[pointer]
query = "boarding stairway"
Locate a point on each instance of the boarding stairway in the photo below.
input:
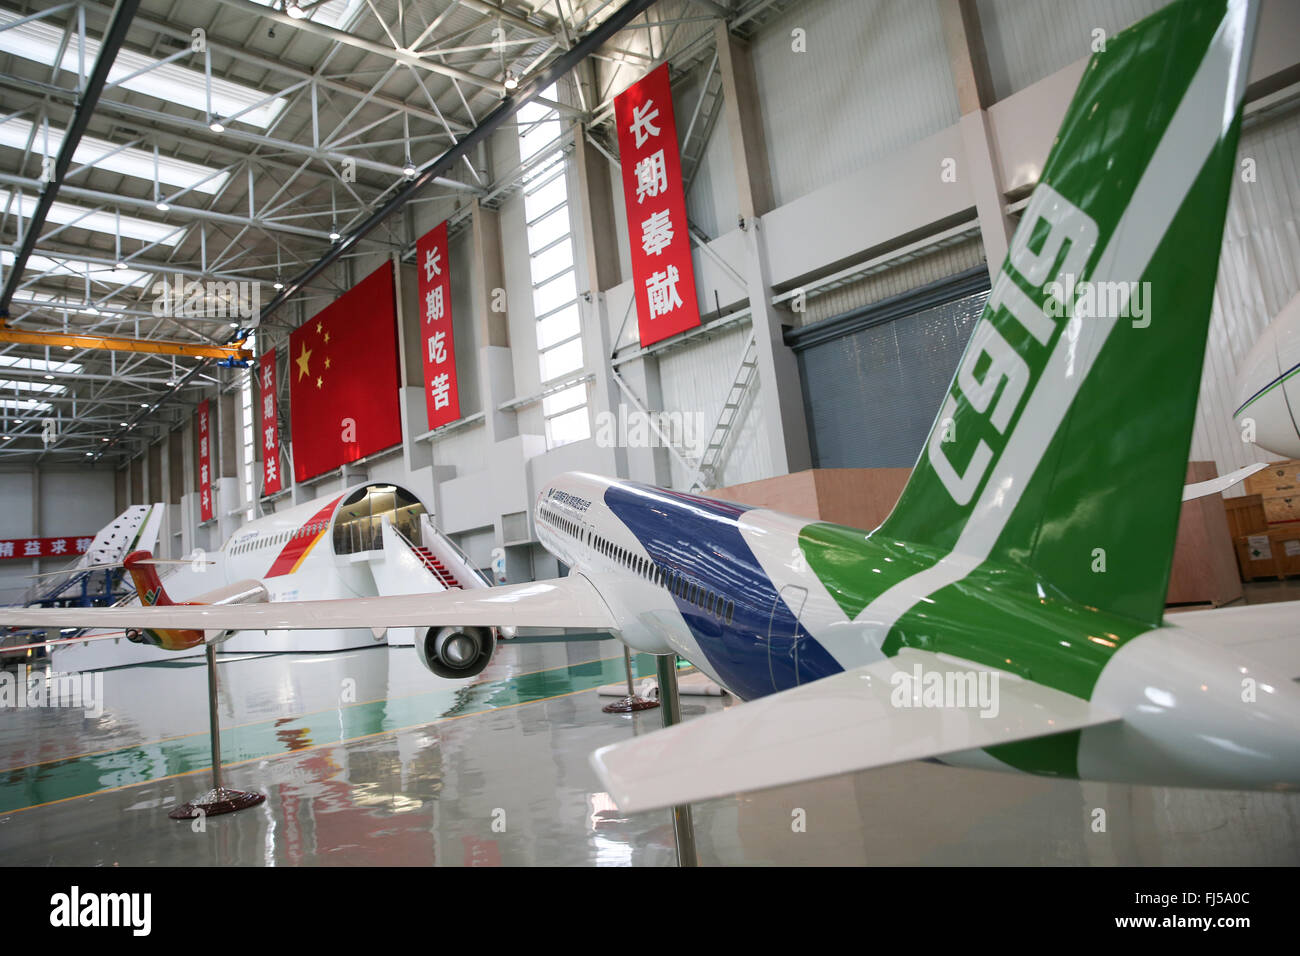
(439, 570)
(427, 565)
(135, 529)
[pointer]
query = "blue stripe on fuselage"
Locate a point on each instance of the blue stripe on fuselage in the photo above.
(764, 648)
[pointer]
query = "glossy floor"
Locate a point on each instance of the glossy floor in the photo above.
(367, 759)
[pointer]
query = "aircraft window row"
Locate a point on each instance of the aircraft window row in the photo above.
(708, 601)
(676, 582)
(284, 537)
(567, 525)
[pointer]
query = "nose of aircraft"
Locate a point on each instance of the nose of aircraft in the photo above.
(1195, 712)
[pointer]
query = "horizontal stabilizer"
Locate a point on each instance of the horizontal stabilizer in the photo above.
(565, 602)
(879, 714)
(1217, 486)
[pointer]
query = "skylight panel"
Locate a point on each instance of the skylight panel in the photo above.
(99, 153)
(39, 365)
(40, 41)
(75, 268)
(99, 220)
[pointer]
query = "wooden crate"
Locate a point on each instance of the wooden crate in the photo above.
(1280, 477)
(1273, 554)
(1282, 509)
(1257, 558)
(1245, 515)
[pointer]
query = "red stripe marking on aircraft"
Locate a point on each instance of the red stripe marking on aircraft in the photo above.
(287, 561)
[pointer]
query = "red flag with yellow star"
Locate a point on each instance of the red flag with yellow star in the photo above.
(343, 379)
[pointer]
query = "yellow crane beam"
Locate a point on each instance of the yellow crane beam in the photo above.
(113, 343)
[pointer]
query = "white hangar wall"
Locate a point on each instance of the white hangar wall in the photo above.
(855, 130)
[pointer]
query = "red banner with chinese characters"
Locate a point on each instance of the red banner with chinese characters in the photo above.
(343, 385)
(270, 430)
(205, 462)
(663, 277)
(441, 396)
(44, 547)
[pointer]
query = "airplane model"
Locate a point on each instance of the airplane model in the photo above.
(371, 539)
(1268, 385)
(1029, 553)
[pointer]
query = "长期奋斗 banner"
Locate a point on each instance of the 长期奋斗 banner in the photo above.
(663, 277)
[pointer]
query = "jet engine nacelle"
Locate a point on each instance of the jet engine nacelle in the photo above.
(455, 651)
(1268, 386)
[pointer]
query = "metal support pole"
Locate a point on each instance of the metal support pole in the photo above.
(631, 703)
(214, 721)
(218, 799)
(671, 702)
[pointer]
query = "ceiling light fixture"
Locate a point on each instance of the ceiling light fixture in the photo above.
(216, 126)
(512, 81)
(295, 10)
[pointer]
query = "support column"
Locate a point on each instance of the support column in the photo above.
(601, 270)
(970, 74)
(780, 399)
(496, 376)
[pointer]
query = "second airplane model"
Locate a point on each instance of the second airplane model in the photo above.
(1029, 553)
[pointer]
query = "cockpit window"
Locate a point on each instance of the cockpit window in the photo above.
(359, 523)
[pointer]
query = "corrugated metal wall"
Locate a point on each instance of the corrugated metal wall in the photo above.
(875, 78)
(695, 380)
(1259, 272)
(711, 202)
(894, 281)
(1027, 40)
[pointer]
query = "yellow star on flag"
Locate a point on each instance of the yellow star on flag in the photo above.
(303, 359)
(319, 382)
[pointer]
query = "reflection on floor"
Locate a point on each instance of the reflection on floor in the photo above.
(367, 759)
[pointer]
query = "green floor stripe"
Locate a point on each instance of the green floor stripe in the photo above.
(81, 776)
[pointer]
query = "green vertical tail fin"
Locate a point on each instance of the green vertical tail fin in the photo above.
(1062, 443)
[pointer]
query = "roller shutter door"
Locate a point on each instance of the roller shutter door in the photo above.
(873, 379)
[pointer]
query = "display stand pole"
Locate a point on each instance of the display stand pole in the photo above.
(683, 826)
(631, 702)
(218, 799)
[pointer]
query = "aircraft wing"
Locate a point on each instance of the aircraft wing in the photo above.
(563, 602)
(851, 721)
(1217, 486)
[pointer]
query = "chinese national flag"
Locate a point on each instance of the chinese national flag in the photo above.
(343, 379)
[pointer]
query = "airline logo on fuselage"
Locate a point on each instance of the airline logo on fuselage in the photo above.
(563, 497)
(993, 367)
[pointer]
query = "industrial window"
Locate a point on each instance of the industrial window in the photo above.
(551, 267)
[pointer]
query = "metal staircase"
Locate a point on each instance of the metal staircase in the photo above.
(704, 117)
(134, 529)
(436, 567)
(710, 467)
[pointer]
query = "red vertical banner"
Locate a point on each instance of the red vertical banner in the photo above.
(663, 276)
(270, 428)
(205, 462)
(440, 392)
